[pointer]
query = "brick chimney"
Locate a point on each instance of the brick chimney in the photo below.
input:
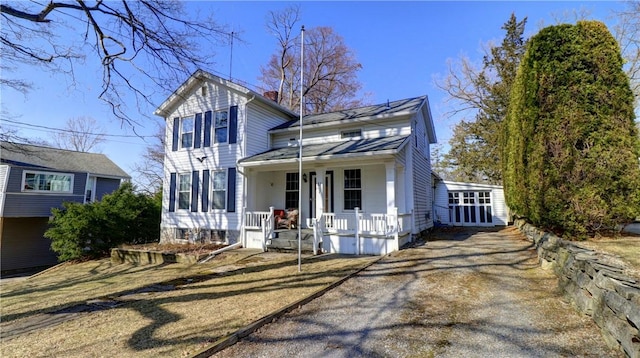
(272, 95)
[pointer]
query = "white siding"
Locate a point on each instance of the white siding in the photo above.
(333, 133)
(422, 188)
(261, 120)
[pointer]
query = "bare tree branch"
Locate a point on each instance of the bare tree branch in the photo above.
(135, 42)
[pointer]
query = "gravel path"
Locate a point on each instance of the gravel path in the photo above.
(465, 293)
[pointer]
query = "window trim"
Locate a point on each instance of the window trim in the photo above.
(213, 190)
(344, 190)
(35, 172)
(214, 128)
(294, 179)
(182, 132)
(178, 185)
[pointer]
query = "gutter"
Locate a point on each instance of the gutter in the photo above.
(213, 254)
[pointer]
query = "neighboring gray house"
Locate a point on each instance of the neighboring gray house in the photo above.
(35, 179)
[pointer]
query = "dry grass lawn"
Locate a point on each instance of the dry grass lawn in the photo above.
(626, 248)
(160, 310)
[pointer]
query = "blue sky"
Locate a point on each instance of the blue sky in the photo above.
(402, 46)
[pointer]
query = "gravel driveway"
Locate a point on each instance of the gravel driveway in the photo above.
(465, 293)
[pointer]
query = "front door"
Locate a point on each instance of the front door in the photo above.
(328, 193)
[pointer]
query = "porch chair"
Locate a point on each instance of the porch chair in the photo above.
(290, 221)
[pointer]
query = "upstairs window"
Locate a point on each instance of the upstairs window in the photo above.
(220, 126)
(352, 189)
(355, 133)
(186, 132)
(47, 182)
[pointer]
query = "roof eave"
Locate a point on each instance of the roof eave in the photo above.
(383, 153)
(199, 77)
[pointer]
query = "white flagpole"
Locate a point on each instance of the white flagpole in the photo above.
(300, 151)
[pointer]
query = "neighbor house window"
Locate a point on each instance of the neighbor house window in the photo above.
(219, 190)
(186, 132)
(220, 126)
(352, 189)
(47, 182)
(356, 133)
(291, 191)
(184, 191)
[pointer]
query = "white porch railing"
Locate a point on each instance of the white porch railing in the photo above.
(254, 219)
(375, 224)
(358, 224)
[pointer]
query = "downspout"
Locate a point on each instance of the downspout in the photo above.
(245, 185)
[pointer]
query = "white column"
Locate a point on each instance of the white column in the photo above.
(250, 194)
(320, 190)
(391, 186)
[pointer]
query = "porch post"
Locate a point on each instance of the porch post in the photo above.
(391, 186)
(357, 229)
(252, 182)
(320, 189)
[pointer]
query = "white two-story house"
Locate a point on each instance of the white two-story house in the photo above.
(232, 164)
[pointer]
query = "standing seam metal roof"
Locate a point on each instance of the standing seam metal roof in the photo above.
(409, 105)
(330, 149)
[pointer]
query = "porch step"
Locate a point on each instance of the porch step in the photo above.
(287, 240)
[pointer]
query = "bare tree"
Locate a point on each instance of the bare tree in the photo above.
(627, 32)
(330, 67)
(150, 169)
(134, 41)
(82, 134)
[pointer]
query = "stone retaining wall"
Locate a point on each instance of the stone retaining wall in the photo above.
(595, 284)
(142, 257)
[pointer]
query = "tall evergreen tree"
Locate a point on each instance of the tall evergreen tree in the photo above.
(570, 143)
(475, 145)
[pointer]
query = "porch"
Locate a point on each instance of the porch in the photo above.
(354, 233)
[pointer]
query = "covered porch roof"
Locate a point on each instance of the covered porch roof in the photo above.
(352, 149)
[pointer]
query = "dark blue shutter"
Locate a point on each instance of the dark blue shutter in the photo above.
(231, 190)
(207, 129)
(233, 124)
(176, 133)
(194, 190)
(197, 130)
(205, 190)
(172, 193)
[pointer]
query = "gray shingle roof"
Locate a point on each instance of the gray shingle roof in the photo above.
(59, 159)
(331, 149)
(409, 105)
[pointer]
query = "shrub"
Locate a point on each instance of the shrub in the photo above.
(91, 230)
(570, 150)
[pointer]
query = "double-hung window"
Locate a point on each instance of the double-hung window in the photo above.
(219, 190)
(184, 191)
(291, 191)
(47, 182)
(220, 125)
(186, 132)
(352, 189)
